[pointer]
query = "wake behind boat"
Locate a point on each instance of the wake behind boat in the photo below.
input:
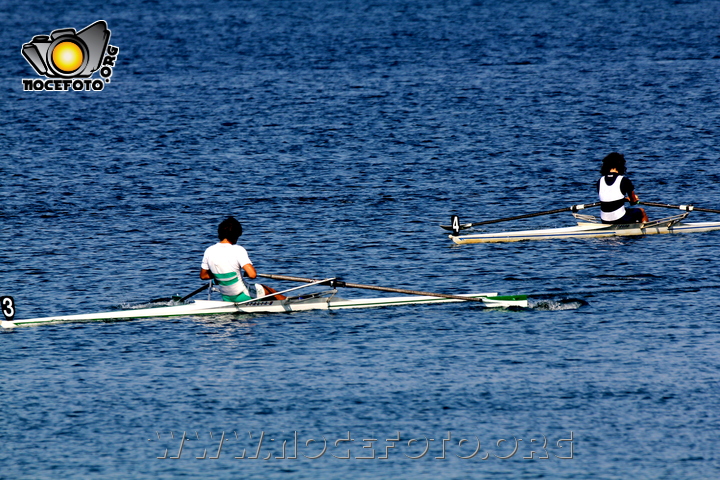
(588, 226)
(324, 300)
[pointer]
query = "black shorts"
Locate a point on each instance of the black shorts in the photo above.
(632, 215)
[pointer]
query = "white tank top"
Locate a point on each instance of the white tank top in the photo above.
(611, 193)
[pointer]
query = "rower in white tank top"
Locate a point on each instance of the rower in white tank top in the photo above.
(614, 189)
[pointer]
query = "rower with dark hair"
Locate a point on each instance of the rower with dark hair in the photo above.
(614, 189)
(228, 264)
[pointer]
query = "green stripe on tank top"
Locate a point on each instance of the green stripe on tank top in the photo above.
(226, 279)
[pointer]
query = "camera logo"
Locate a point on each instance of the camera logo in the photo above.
(69, 58)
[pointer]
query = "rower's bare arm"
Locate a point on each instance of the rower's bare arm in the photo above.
(205, 274)
(250, 270)
(633, 198)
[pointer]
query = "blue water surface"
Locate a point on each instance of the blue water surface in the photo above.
(342, 134)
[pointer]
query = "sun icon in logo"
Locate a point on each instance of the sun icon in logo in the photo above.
(67, 56)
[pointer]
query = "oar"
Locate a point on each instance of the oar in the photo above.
(204, 287)
(337, 283)
(181, 300)
(269, 295)
(456, 227)
(687, 208)
(272, 295)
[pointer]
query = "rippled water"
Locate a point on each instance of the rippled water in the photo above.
(342, 134)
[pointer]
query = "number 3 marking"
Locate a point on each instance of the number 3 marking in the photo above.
(8, 307)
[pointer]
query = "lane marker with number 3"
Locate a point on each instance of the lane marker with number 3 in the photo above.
(8, 308)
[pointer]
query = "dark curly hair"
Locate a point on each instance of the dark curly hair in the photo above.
(613, 160)
(230, 229)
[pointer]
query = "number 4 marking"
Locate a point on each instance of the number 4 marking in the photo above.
(8, 307)
(455, 225)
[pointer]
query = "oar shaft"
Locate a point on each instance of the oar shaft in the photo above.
(519, 217)
(272, 295)
(370, 287)
(573, 208)
(687, 208)
(204, 287)
(530, 215)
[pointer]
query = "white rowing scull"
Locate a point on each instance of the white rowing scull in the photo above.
(325, 300)
(588, 226)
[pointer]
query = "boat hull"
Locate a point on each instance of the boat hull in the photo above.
(585, 230)
(214, 307)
